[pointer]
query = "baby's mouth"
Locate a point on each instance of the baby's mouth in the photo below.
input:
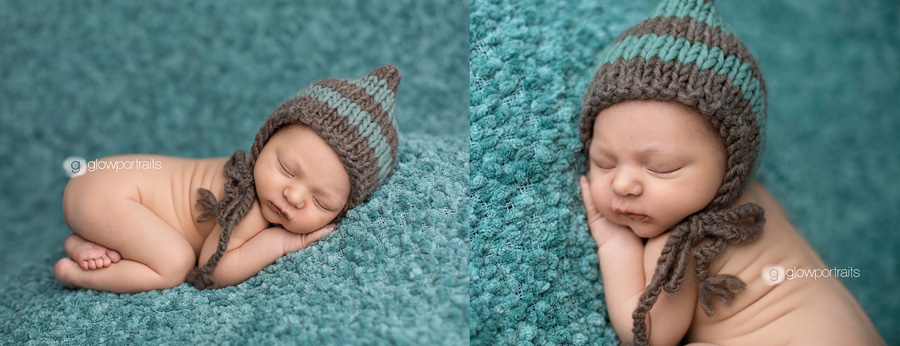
(277, 210)
(634, 216)
(637, 217)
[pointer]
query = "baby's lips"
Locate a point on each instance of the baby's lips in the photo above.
(632, 215)
(278, 211)
(638, 217)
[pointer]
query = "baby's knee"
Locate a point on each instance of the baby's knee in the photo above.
(176, 268)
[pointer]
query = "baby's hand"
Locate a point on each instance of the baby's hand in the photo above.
(295, 242)
(601, 228)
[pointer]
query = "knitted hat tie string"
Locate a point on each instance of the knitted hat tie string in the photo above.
(736, 226)
(236, 202)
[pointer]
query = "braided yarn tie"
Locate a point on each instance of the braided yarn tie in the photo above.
(240, 192)
(722, 227)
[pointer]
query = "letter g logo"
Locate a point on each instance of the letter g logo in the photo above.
(773, 274)
(74, 166)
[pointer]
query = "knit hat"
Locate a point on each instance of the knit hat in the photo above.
(355, 117)
(685, 52)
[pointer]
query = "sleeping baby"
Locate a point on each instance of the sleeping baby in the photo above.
(318, 155)
(691, 249)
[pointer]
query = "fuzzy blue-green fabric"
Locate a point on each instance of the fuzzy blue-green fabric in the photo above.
(832, 70)
(197, 79)
(534, 275)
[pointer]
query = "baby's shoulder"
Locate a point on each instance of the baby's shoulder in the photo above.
(776, 217)
(757, 194)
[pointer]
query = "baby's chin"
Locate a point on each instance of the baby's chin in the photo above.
(275, 223)
(296, 231)
(647, 229)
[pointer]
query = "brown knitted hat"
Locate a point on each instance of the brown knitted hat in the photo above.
(685, 52)
(355, 117)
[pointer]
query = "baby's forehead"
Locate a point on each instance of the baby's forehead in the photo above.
(653, 132)
(296, 135)
(292, 130)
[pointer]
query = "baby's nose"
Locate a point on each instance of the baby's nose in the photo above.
(627, 182)
(295, 196)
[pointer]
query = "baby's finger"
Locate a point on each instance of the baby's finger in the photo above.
(315, 235)
(586, 198)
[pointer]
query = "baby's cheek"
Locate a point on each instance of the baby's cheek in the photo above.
(601, 197)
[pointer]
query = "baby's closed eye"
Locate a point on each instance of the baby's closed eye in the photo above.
(664, 170)
(284, 169)
(320, 204)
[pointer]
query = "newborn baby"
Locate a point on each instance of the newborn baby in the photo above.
(687, 242)
(318, 155)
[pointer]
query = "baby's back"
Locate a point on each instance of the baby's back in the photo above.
(165, 185)
(798, 310)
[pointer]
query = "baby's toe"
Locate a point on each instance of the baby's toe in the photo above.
(114, 256)
(99, 263)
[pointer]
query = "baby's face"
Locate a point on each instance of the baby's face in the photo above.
(300, 180)
(653, 163)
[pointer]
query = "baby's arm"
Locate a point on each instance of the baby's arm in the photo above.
(626, 272)
(253, 246)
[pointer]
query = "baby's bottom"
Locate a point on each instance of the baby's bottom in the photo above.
(154, 255)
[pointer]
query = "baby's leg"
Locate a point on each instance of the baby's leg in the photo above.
(90, 255)
(154, 255)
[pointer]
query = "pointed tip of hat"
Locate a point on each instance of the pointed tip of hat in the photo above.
(388, 69)
(388, 73)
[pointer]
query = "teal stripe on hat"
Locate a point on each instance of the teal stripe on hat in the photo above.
(359, 118)
(378, 89)
(699, 10)
(668, 48)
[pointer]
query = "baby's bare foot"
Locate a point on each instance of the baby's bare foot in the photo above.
(63, 272)
(89, 255)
